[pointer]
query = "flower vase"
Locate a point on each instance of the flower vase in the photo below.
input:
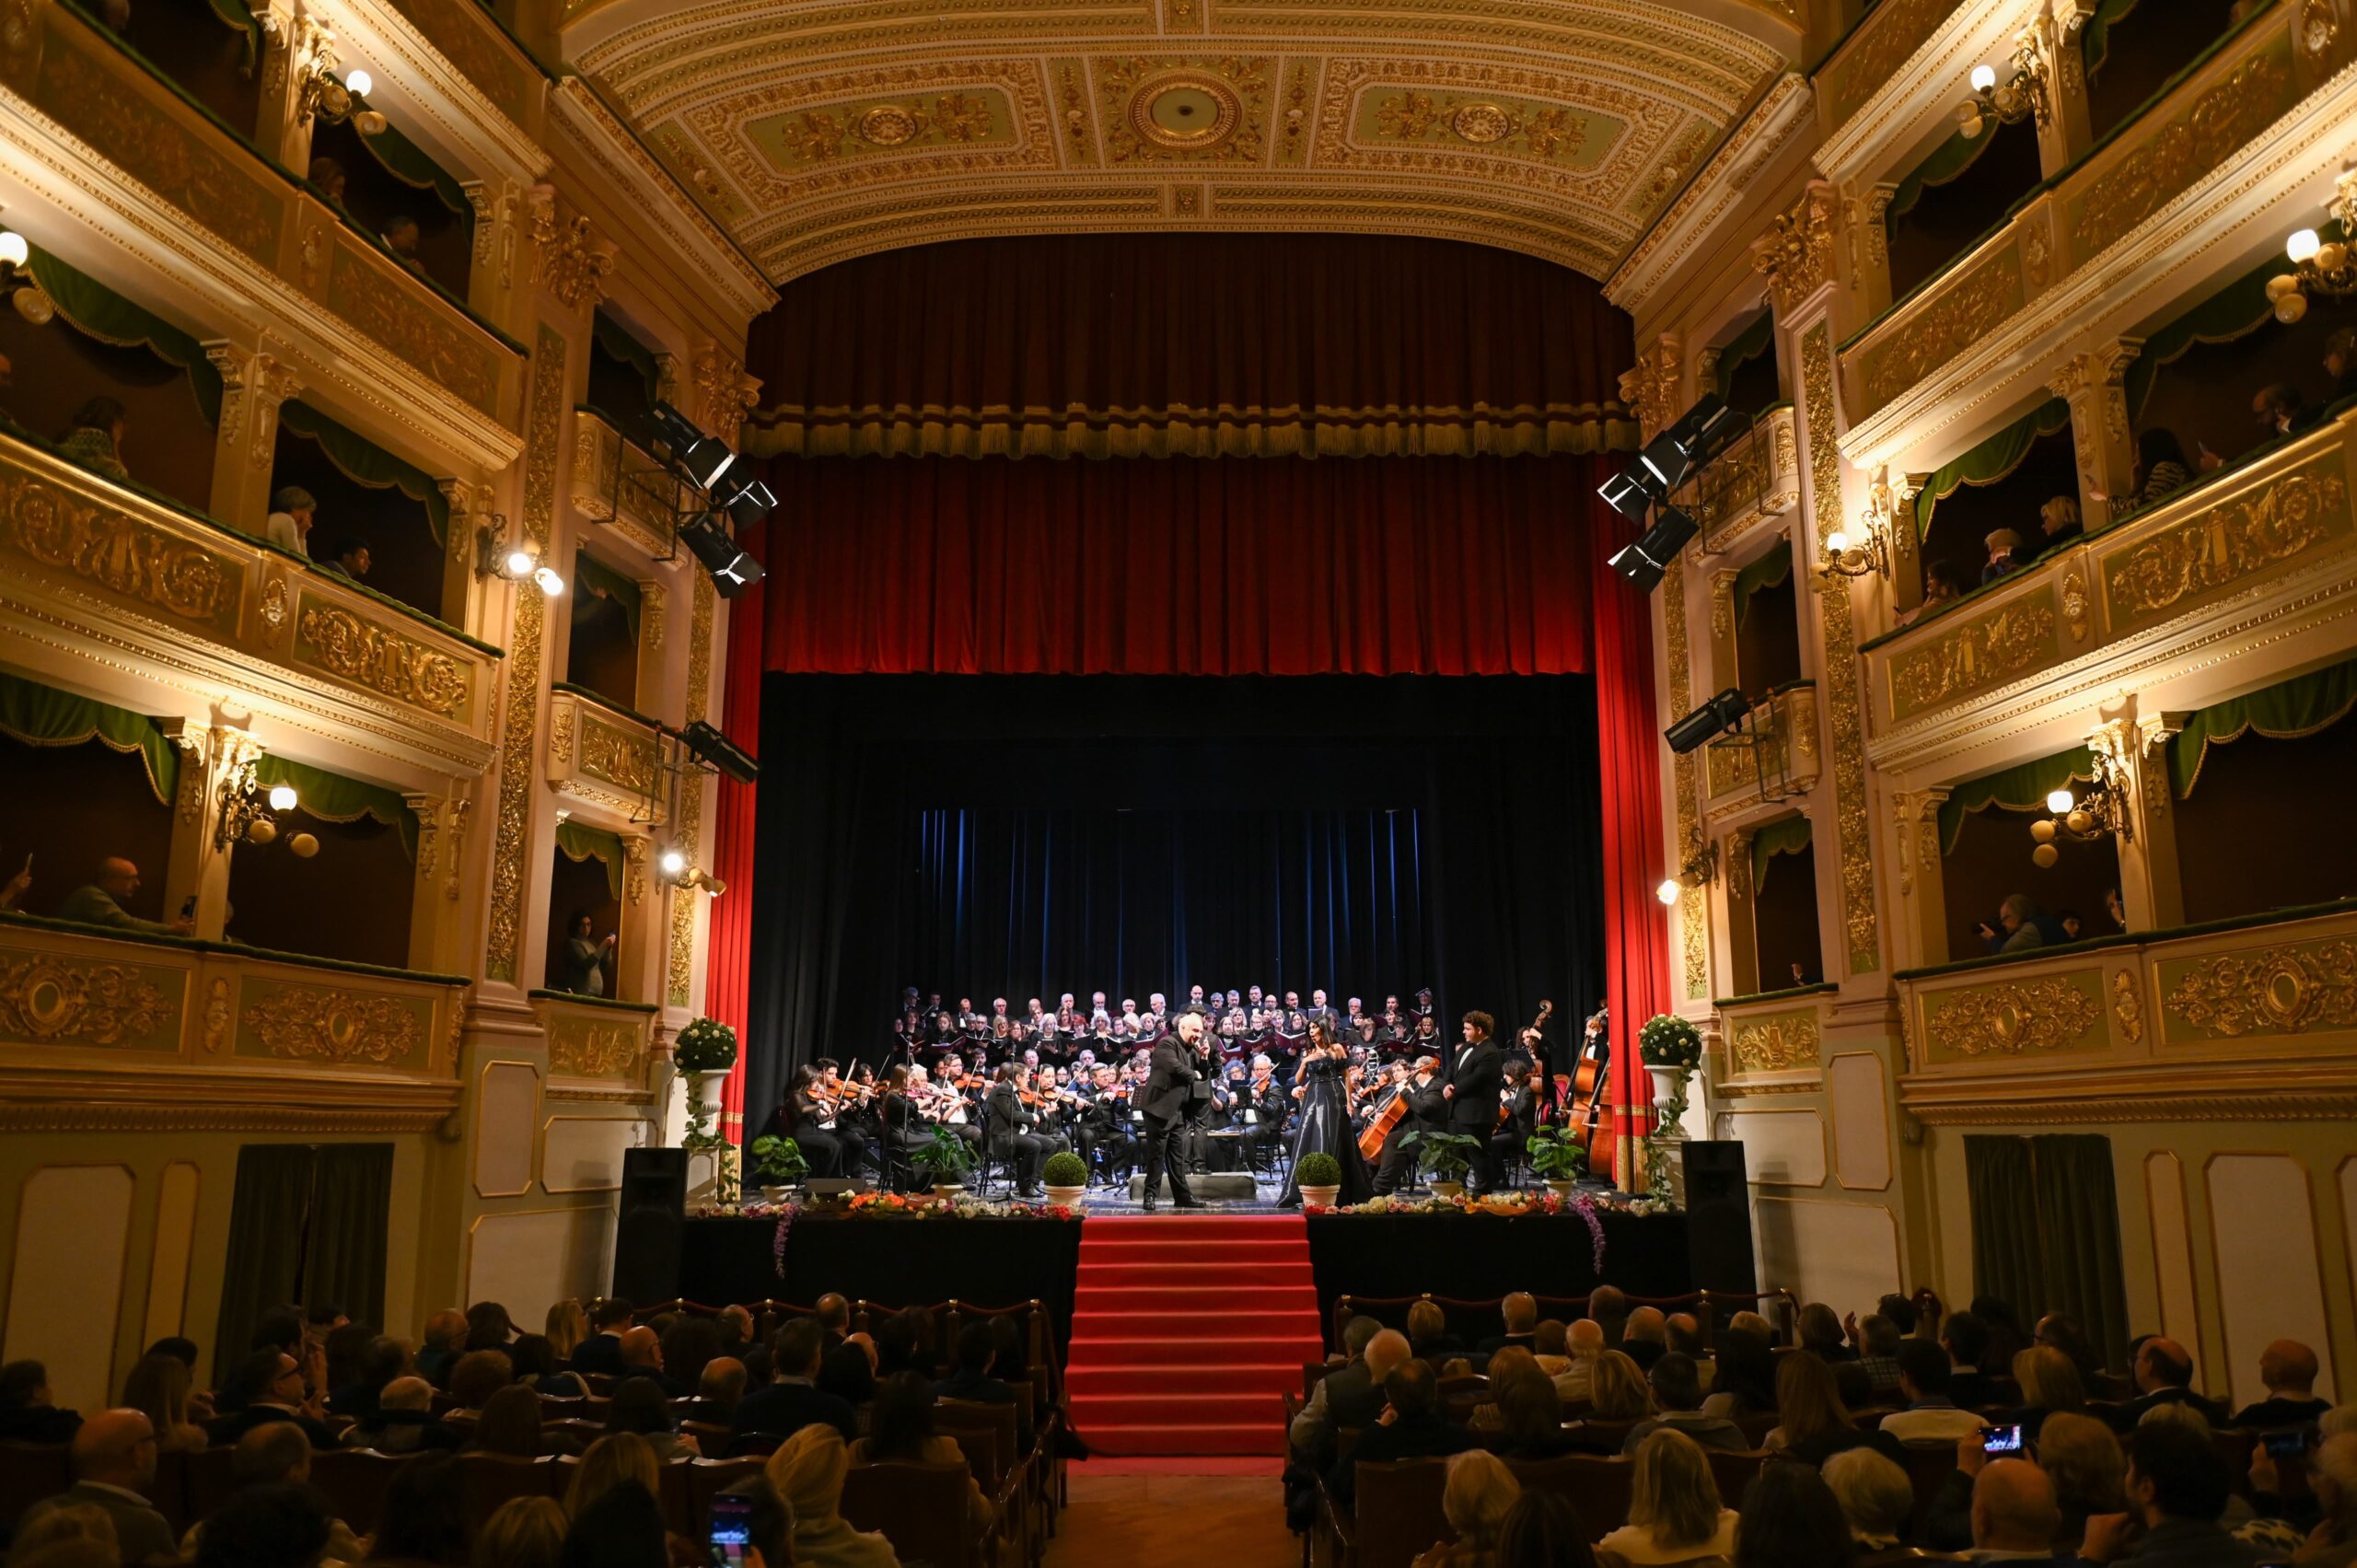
(704, 1095)
(1448, 1188)
(1562, 1189)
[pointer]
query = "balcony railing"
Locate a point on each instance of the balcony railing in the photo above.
(103, 558)
(2238, 532)
(1774, 1040)
(66, 71)
(597, 1047)
(1883, 40)
(103, 1029)
(2250, 1018)
(601, 752)
(2206, 118)
(1775, 758)
(1754, 480)
(614, 481)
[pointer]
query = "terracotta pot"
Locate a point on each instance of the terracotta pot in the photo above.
(1066, 1197)
(1322, 1197)
(1448, 1188)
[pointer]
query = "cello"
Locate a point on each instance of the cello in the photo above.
(1587, 1081)
(1533, 1038)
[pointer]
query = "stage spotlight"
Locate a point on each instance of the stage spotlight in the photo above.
(1626, 493)
(1644, 561)
(746, 501)
(720, 751)
(698, 456)
(1719, 715)
(732, 570)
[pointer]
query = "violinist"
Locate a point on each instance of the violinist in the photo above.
(1517, 1114)
(1427, 1111)
(834, 1098)
(1268, 1103)
(905, 1126)
(1015, 1134)
(806, 1119)
(1104, 1118)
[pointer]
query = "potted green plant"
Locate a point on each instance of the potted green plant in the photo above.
(1671, 1049)
(701, 1056)
(1444, 1158)
(945, 1161)
(1319, 1176)
(779, 1164)
(1559, 1158)
(1066, 1180)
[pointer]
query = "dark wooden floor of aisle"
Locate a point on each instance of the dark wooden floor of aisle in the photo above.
(1152, 1514)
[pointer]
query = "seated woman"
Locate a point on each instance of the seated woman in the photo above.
(1508, 1362)
(1530, 1418)
(900, 1431)
(1428, 1336)
(639, 1406)
(94, 438)
(1475, 1500)
(1791, 1519)
(1876, 1496)
(1674, 1510)
(510, 1423)
(2049, 1385)
(808, 1470)
(1812, 1423)
(1742, 1381)
(535, 1360)
(1544, 1530)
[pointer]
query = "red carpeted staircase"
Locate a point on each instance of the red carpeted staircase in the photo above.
(1188, 1329)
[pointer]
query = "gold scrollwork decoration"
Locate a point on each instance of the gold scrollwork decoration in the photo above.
(2197, 141)
(383, 660)
(1775, 1045)
(119, 552)
(1925, 339)
(1985, 653)
(2226, 544)
(580, 1048)
(626, 761)
(2286, 990)
(330, 1023)
(53, 1001)
(220, 1016)
(2127, 1007)
(2014, 1017)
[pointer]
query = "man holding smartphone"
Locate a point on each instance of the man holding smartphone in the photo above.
(748, 1527)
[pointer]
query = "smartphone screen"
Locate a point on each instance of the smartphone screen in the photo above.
(2287, 1444)
(731, 1535)
(2001, 1442)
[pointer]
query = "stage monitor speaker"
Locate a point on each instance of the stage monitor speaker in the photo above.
(1718, 1222)
(651, 1225)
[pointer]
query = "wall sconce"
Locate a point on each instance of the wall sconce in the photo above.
(2320, 266)
(23, 290)
(1866, 551)
(1700, 870)
(673, 867)
(2101, 812)
(2012, 102)
(324, 96)
(495, 557)
(247, 812)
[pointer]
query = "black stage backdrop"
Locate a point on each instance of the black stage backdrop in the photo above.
(1020, 836)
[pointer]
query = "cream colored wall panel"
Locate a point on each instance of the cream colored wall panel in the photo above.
(175, 1245)
(582, 1153)
(1785, 1147)
(505, 1112)
(2268, 1270)
(2349, 1220)
(2173, 1250)
(65, 1289)
(1823, 1249)
(1858, 1092)
(530, 1259)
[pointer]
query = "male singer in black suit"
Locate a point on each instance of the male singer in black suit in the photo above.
(1474, 1077)
(1170, 1085)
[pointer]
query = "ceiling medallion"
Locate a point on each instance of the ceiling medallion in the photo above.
(1185, 112)
(1481, 123)
(887, 126)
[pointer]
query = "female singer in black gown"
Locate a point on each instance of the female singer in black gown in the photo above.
(1324, 1126)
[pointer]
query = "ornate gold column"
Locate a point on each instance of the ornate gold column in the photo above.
(1915, 848)
(1693, 983)
(1724, 670)
(293, 48)
(653, 672)
(1865, 251)
(2066, 128)
(436, 927)
(253, 385)
(199, 867)
(638, 962)
(464, 593)
(1742, 919)
(2135, 749)
(2096, 383)
(499, 226)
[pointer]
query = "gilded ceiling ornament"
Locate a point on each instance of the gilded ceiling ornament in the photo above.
(2286, 990)
(335, 1025)
(2048, 1014)
(2319, 30)
(567, 259)
(1797, 253)
(52, 1000)
(889, 125)
(1775, 1045)
(1481, 123)
(383, 660)
(1188, 110)
(2228, 543)
(2127, 1007)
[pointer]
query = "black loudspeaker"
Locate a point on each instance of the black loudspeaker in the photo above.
(649, 1229)
(1718, 1221)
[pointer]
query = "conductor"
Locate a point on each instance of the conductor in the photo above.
(1170, 1085)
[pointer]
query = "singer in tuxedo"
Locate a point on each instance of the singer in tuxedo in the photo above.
(1475, 1075)
(1169, 1090)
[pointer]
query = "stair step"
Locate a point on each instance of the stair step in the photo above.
(1225, 1272)
(1196, 1295)
(1252, 1378)
(1283, 1324)
(1199, 1226)
(1108, 1350)
(1269, 1438)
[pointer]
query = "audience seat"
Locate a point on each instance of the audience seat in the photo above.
(711, 1437)
(1929, 1465)
(354, 1481)
(679, 1504)
(486, 1481)
(2234, 1444)
(1597, 1436)
(207, 1477)
(1397, 1516)
(1756, 1425)
(709, 1478)
(1459, 1394)
(921, 1509)
(29, 1472)
(1312, 1374)
(1734, 1470)
(1600, 1489)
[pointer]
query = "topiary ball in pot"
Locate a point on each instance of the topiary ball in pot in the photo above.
(1318, 1171)
(1064, 1170)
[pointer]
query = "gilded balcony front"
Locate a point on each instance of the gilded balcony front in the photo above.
(1781, 756)
(597, 1049)
(2252, 1017)
(100, 1028)
(602, 753)
(1774, 1041)
(119, 567)
(1755, 481)
(2204, 554)
(615, 481)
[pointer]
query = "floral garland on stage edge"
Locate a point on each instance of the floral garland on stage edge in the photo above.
(1509, 1205)
(876, 1207)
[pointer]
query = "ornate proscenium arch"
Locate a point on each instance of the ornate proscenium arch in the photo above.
(818, 130)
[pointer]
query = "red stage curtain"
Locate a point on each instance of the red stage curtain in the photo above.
(1382, 566)
(1163, 345)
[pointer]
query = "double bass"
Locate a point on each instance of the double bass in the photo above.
(1580, 1115)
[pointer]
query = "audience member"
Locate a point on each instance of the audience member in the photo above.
(2332, 1479)
(536, 1361)
(1551, 1345)
(2288, 1370)
(2062, 1332)
(113, 1460)
(1520, 1310)
(1876, 1496)
(2002, 1336)
(2049, 1384)
(2164, 1375)
(1530, 1418)
(638, 1405)
(2177, 1486)
(1510, 1363)
(904, 1343)
(1411, 1424)
(425, 1516)
(1941, 585)
(1543, 1530)
(1924, 1378)
(623, 1528)
(769, 1523)
(526, 1532)
(901, 1430)
(1582, 1343)
(94, 438)
(268, 1386)
(1812, 1423)
(349, 558)
(270, 1457)
(1618, 1391)
(602, 1350)
(2160, 466)
(2083, 1459)
(1476, 1498)
(29, 1411)
(101, 902)
(722, 1385)
(292, 511)
(2340, 364)
(1428, 1333)
(381, 1359)
(2005, 555)
(565, 1326)
(2058, 521)
(1674, 1510)
(1745, 1382)
(1350, 1395)
(82, 1522)
(275, 1525)
(808, 1470)
(621, 1460)
(328, 175)
(2014, 1518)
(1791, 1519)
(477, 1376)
(1677, 1401)
(2279, 409)
(489, 1329)
(643, 1357)
(1609, 1305)
(510, 1423)
(1683, 1335)
(1878, 1339)
(792, 1399)
(404, 1422)
(159, 1389)
(688, 1345)
(401, 237)
(1644, 1337)
(972, 1381)
(2016, 930)
(1821, 1336)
